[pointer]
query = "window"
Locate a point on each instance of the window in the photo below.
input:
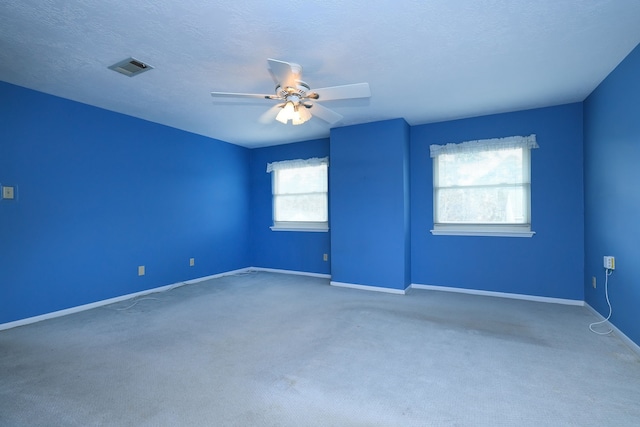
(299, 189)
(483, 187)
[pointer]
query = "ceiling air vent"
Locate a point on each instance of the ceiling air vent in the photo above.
(130, 67)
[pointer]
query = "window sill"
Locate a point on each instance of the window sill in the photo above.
(306, 229)
(488, 233)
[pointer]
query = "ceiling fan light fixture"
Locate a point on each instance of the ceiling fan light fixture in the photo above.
(297, 98)
(287, 113)
(297, 113)
(301, 115)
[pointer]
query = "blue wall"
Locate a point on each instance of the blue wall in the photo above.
(100, 193)
(369, 207)
(287, 250)
(550, 264)
(612, 196)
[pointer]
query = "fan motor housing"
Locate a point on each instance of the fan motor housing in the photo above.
(300, 90)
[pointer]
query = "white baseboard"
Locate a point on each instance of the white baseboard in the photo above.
(298, 273)
(499, 294)
(370, 288)
(628, 341)
(101, 303)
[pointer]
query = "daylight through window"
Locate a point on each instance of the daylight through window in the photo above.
(300, 199)
(483, 187)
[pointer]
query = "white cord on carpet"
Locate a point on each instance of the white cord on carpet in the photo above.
(136, 301)
(244, 273)
(177, 285)
(606, 293)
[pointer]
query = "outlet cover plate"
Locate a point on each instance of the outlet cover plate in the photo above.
(8, 192)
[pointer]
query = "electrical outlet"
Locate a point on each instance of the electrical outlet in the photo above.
(8, 192)
(141, 270)
(192, 262)
(609, 263)
(325, 257)
(593, 281)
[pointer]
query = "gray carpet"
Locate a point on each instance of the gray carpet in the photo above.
(265, 349)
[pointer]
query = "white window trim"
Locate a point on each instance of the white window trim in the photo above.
(307, 226)
(300, 226)
(491, 230)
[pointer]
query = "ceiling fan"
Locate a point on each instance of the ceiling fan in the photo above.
(299, 101)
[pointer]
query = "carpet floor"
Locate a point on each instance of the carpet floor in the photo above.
(267, 349)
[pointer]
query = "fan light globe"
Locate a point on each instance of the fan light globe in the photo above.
(302, 115)
(296, 113)
(287, 113)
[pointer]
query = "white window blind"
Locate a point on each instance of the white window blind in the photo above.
(483, 187)
(300, 199)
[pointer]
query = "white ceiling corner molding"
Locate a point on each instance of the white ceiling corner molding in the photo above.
(297, 163)
(490, 144)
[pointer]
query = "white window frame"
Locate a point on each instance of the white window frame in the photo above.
(486, 229)
(313, 226)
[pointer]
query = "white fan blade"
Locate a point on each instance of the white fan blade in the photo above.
(284, 73)
(357, 90)
(242, 95)
(270, 115)
(325, 114)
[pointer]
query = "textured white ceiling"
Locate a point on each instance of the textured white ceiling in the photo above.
(425, 61)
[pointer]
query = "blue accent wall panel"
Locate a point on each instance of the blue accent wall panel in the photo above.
(369, 204)
(612, 195)
(549, 264)
(286, 250)
(99, 193)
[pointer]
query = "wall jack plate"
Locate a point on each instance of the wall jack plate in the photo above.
(609, 263)
(8, 192)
